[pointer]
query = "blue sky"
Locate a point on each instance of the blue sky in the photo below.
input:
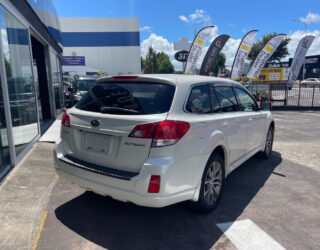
(164, 22)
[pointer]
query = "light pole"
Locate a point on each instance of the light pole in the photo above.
(304, 62)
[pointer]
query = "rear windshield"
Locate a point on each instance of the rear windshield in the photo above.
(136, 98)
(85, 85)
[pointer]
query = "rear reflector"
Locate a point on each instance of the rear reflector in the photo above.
(65, 121)
(163, 133)
(125, 77)
(154, 184)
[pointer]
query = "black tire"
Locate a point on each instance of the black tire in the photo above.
(205, 204)
(266, 153)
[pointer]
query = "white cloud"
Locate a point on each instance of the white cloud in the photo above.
(184, 18)
(198, 17)
(311, 18)
(146, 28)
(230, 50)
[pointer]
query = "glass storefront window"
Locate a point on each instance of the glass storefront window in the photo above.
(21, 89)
(4, 147)
(56, 82)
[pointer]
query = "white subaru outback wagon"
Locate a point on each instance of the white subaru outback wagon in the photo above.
(156, 140)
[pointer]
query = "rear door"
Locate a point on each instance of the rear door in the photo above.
(232, 122)
(255, 119)
(102, 121)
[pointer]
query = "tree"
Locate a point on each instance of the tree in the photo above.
(156, 62)
(220, 63)
(150, 63)
(281, 51)
(164, 64)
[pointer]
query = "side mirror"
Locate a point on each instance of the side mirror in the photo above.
(265, 105)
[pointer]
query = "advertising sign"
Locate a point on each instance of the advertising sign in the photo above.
(264, 55)
(212, 55)
(73, 61)
(196, 49)
(242, 53)
(299, 57)
(273, 74)
(181, 56)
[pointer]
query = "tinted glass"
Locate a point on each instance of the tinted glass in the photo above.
(138, 98)
(246, 103)
(84, 85)
(199, 100)
(227, 99)
(215, 101)
(56, 81)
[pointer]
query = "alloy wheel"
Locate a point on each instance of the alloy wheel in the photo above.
(269, 141)
(213, 182)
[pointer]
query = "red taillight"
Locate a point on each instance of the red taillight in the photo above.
(163, 133)
(65, 120)
(125, 77)
(154, 184)
(144, 131)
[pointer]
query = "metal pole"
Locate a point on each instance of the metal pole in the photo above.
(299, 95)
(313, 93)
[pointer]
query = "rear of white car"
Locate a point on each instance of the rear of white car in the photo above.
(159, 140)
(129, 155)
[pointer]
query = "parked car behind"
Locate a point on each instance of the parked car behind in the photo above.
(309, 82)
(80, 86)
(156, 140)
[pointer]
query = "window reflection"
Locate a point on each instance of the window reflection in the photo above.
(4, 149)
(15, 43)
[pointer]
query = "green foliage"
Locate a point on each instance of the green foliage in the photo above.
(220, 63)
(281, 51)
(156, 62)
(150, 64)
(8, 68)
(164, 64)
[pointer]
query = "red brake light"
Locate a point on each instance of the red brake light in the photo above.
(65, 122)
(163, 133)
(169, 130)
(144, 131)
(125, 77)
(154, 184)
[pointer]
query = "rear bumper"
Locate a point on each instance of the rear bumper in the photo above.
(133, 189)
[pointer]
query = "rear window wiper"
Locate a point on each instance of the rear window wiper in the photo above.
(117, 109)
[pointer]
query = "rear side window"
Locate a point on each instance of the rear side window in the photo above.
(136, 98)
(246, 102)
(227, 99)
(199, 100)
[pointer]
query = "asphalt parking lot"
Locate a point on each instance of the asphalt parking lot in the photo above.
(280, 196)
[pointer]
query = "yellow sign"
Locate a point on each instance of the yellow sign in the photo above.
(245, 47)
(270, 74)
(269, 49)
(199, 42)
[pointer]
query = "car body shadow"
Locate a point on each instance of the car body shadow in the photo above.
(116, 225)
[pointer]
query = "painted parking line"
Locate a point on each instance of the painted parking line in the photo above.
(246, 235)
(35, 244)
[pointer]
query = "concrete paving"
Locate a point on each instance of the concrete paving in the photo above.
(24, 196)
(280, 196)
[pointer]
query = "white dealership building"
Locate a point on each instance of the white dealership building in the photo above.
(111, 45)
